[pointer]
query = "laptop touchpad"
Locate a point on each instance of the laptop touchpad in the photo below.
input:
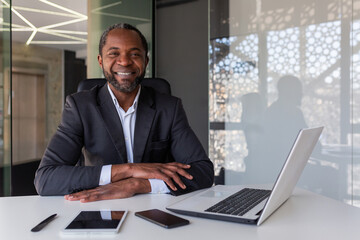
(215, 194)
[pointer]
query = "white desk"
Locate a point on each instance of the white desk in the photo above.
(304, 216)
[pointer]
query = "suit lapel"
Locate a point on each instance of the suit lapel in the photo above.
(144, 118)
(112, 121)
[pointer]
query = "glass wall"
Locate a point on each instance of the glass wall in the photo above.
(278, 66)
(5, 103)
(47, 59)
(38, 78)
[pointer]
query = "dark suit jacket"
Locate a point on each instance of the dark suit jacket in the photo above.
(90, 125)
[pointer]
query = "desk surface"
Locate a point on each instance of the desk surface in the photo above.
(304, 216)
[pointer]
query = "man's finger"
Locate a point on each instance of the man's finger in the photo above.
(79, 195)
(175, 177)
(166, 178)
(177, 164)
(179, 171)
(73, 197)
(96, 196)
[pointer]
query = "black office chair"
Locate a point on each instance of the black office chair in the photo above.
(158, 84)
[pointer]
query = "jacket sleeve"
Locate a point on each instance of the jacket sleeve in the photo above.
(186, 148)
(57, 173)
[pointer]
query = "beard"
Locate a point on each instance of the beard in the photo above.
(127, 86)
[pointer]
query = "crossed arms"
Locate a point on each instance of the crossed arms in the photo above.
(130, 179)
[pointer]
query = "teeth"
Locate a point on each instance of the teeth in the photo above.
(123, 74)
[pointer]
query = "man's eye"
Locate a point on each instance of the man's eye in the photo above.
(113, 53)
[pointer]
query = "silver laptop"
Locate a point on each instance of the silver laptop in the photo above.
(252, 205)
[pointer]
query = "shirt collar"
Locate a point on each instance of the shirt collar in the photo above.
(133, 106)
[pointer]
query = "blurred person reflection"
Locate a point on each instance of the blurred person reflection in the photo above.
(282, 121)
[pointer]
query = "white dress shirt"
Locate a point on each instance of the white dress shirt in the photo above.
(128, 124)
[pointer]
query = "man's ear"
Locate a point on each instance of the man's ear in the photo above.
(146, 61)
(99, 60)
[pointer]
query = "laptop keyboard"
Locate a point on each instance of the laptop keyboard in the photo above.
(241, 202)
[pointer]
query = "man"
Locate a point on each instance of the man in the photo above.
(133, 139)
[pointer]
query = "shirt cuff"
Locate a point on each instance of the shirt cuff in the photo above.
(105, 175)
(158, 186)
(105, 214)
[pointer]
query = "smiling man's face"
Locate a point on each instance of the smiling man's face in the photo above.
(123, 60)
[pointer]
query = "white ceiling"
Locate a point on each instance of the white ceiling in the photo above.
(52, 23)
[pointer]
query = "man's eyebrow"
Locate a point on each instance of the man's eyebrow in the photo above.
(113, 48)
(131, 49)
(136, 48)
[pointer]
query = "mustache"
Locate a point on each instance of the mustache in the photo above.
(126, 88)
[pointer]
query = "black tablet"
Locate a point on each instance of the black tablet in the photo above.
(104, 221)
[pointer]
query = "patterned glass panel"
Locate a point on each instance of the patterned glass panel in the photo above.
(283, 67)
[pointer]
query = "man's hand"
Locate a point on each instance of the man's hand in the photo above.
(168, 172)
(121, 189)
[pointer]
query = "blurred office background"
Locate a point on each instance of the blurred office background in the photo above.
(251, 73)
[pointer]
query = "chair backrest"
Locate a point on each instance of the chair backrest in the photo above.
(158, 84)
(89, 83)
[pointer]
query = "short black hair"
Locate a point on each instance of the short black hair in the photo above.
(122, 26)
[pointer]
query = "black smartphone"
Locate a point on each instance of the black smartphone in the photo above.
(162, 218)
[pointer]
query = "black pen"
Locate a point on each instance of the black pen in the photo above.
(43, 223)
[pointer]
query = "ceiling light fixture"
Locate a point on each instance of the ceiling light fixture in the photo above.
(49, 29)
(31, 37)
(62, 23)
(25, 9)
(99, 11)
(56, 42)
(64, 9)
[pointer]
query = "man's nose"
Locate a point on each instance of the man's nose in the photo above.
(124, 60)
